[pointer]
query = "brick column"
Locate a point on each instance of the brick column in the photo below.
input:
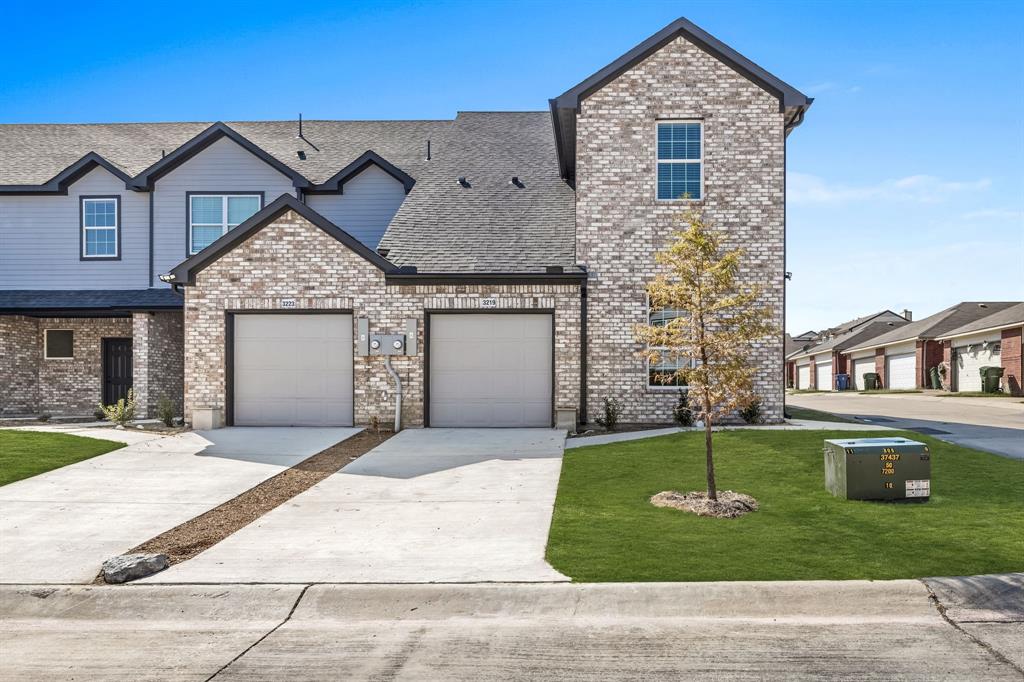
(1012, 359)
(142, 327)
(814, 374)
(880, 366)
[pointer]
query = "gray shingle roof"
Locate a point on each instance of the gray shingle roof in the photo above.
(31, 154)
(850, 339)
(1008, 316)
(15, 300)
(492, 226)
(938, 324)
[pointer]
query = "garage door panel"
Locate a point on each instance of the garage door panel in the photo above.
(293, 370)
(860, 368)
(968, 366)
(824, 375)
(490, 369)
(900, 370)
(803, 376)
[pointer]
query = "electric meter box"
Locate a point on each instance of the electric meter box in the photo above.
(878, 469)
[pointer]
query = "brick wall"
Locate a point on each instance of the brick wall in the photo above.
(947, 360)
(75, 386)
(928, 355)
(293, 259)
(20, 354)
(1012, 356)
(880, 367)
(158, 361)
(620, 225)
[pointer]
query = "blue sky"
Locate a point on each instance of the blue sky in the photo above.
(906, 183)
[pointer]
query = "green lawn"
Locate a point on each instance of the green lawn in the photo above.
(805, 413)
(882, 391)
(975, 394)
(28, 453)
(604, 528)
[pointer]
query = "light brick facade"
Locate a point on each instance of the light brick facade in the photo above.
(33, 385)
(620, 224)
(292, 259)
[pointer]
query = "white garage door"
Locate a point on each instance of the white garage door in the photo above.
(490, 369)
(861, 367)
(900, 370)
(968, 364)
(293, 370)
(803, 376)
(824, 375)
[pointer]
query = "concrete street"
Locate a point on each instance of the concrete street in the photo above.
(991, 424)
(428, 505)
(722, 631)
(59, 527)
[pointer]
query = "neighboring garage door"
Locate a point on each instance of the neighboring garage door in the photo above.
(900, 370)
(824, 375)
(860, 368)
(292, 370)
(968, 364)
(803, 376)
(490, 369)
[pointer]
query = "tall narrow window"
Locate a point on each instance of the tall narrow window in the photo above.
(662, 373)
(680, 160)
(100, 218)
(212, 215)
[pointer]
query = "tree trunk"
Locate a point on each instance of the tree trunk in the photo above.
(712, 490)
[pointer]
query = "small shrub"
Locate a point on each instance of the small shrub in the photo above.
(99, 414)
(121, 412)
(682, 412)
(751, 411)
(375, 425)
(44, 417)
(612, 412)
(165, 411)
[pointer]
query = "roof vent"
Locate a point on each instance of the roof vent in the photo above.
(517, 182)
(301, 154)
(463, 181)
(983, 305)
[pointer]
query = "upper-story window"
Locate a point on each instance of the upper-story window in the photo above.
(680, 160)
(100, 223)
(211, 215)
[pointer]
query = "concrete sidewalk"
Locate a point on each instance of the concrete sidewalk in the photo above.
(59, 527)
(667, 631)
(428, 505)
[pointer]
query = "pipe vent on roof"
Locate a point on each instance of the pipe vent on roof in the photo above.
(517, 182)
(464, 182)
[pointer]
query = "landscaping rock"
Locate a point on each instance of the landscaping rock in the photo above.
(729, 504)
(125, 567)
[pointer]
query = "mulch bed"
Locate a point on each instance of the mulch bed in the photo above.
(594, 430)
(199, 534)
(729, 504)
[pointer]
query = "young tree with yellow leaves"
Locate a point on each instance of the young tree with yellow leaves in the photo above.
(718, 319)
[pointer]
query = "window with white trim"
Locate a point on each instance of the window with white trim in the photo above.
(658, 372)
(680, 160)
(99, 227)
(212, 215)
(58, 344)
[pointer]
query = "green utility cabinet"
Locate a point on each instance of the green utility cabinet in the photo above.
(878, 469)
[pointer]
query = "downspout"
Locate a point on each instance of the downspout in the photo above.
(583, 353)
(398, 392)
(149, 274)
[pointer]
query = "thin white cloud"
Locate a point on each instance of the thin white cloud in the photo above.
(803, 188)
(994, 214)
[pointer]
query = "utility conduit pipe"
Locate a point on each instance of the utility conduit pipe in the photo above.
(398, 392)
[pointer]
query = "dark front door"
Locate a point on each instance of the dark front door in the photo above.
(117, 369)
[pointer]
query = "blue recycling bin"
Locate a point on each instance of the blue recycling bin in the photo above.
(842, 382)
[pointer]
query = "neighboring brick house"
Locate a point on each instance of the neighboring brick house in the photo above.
(992, 341)
(818, 357)
(903, 357)
(507, 251)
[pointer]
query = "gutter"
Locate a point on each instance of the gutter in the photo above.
(413, 278)
(997, 328)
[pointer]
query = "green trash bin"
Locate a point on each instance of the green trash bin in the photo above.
(933, 374)
(872, 382)
(990, 377)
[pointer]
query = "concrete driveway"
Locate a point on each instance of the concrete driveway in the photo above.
(59, 527)
(991, 424)
(429, 505)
